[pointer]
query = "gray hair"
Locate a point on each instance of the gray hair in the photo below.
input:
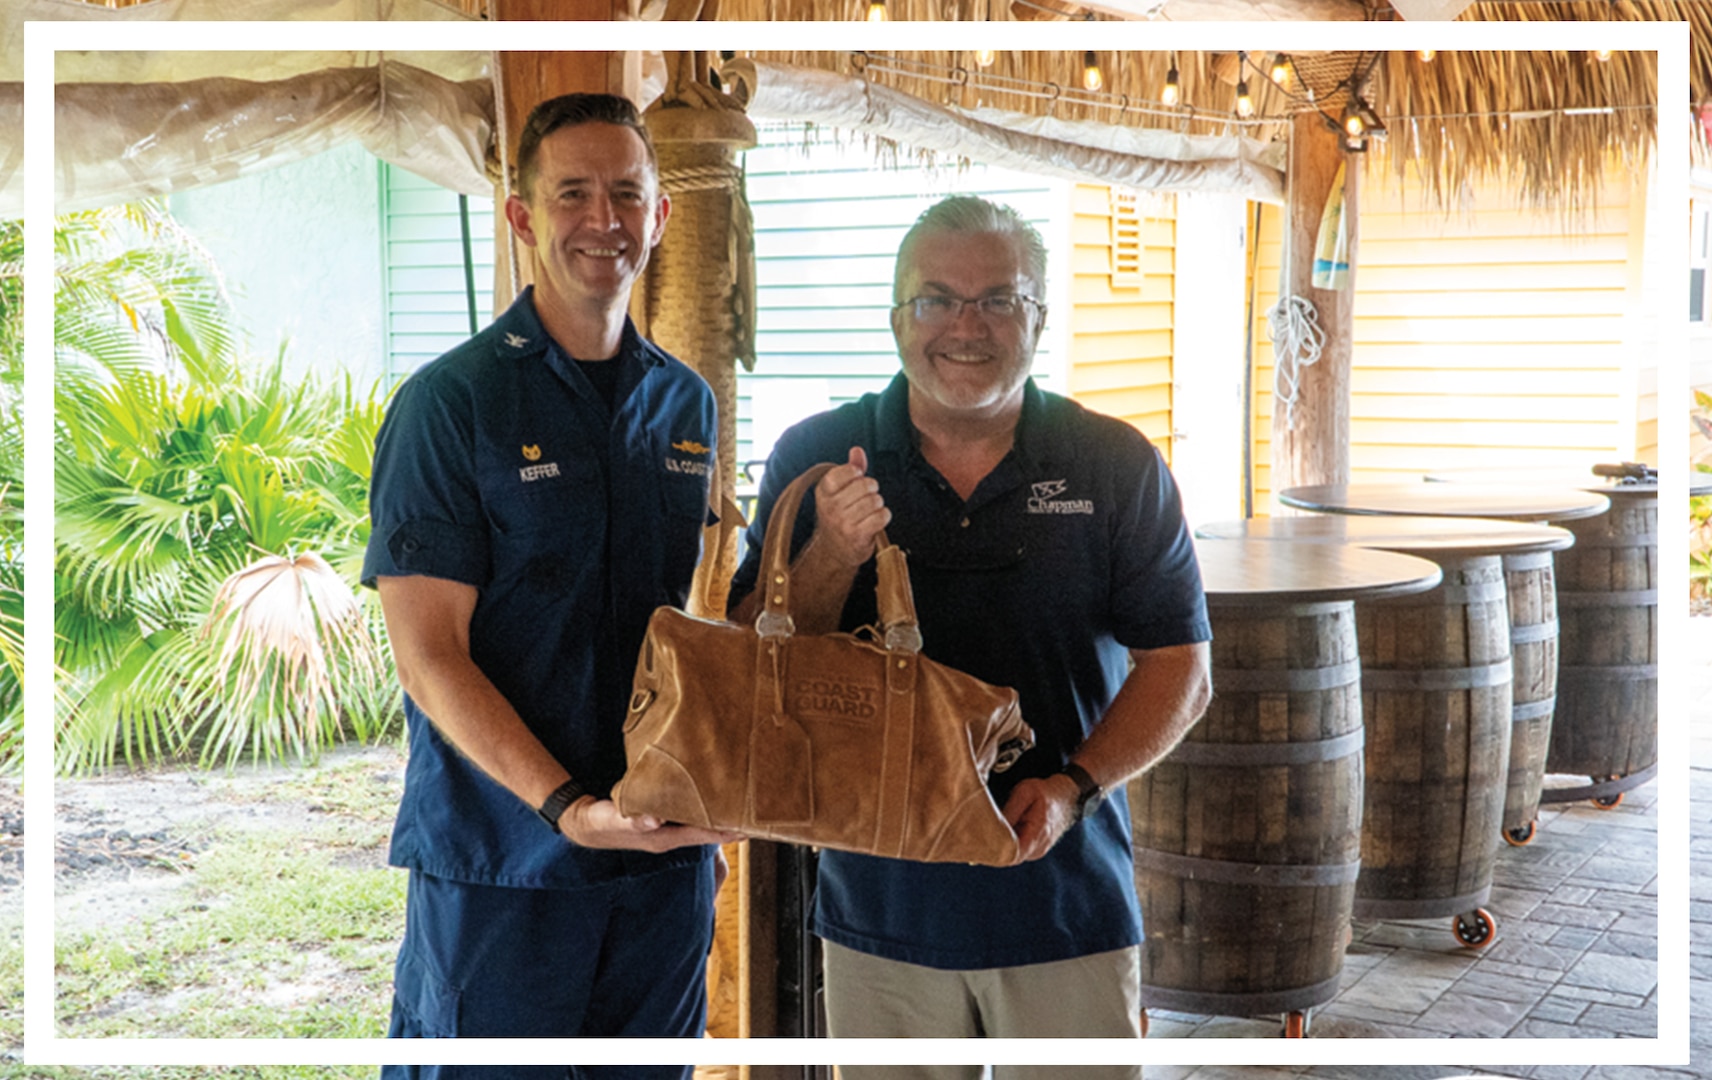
(973, 214)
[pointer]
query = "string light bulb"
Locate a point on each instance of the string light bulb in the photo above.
(985, 57)
(1281, 70)
(1427, 55)
(1092, 77)
(1244, 102)
(1602, 55)
(1353, 125)
(876, 10)
(1173, 91)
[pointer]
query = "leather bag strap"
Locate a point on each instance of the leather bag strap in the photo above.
(902, 633)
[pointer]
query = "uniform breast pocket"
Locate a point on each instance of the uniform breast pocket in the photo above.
(549, 521)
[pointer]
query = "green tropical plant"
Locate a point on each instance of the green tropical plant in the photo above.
(186, 477)
(11, 496)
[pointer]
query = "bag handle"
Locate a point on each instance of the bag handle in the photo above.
(900, 630)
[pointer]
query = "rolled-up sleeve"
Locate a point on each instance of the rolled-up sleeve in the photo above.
(425, 505)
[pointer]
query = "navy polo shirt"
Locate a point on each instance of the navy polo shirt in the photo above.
(1070, 553)
(500, 466)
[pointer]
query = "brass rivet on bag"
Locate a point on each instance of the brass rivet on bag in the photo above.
(778, 599)
(778, 579)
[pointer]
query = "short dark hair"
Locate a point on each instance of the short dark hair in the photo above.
(973, 214)
(569, 110)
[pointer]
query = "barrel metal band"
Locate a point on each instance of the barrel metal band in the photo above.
(1428, 908)
(1532, 710)
(1621, 540)
(1529, 633)
(1464, 678)
(1630, 598)
(1532, 560)
(1220, 872)
(1596, 674)
(1215, 1003)
(1278, 753)
(1477, 592)
(1252, 680)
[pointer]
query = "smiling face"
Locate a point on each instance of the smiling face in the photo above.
(972, 366)
(593, 215)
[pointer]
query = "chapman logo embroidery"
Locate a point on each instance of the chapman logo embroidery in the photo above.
(689, 467)
(1042, 501)
(532, 453)
(516, 341)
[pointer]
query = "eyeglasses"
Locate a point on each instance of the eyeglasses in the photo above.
(938, 310)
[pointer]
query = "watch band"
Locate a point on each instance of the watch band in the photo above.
(1088, 793)
(563, 796)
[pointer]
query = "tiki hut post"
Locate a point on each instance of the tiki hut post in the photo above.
(1312, 445)
(697, 302)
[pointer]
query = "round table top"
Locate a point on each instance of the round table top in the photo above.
(1549, 476)
(1247, 571)
(1427, 536)
(1514, 502)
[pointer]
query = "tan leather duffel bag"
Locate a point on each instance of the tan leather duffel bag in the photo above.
(848, 741)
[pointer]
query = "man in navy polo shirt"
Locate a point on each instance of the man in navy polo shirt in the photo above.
(1048, 552)
(537, 492)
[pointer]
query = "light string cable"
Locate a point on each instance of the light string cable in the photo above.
(868, 62)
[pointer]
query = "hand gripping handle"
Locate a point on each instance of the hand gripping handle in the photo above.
(899, 628)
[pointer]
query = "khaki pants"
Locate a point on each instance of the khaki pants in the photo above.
(1089, 997)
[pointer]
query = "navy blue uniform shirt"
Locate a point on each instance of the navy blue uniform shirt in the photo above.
(499, 466)
(1070, 553)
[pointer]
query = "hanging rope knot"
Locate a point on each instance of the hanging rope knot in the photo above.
(1297, 339)
(701, 178)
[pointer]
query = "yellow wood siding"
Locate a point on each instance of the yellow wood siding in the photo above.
(1494, 337)
(1120, 339)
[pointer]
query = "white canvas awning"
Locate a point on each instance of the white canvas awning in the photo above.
(1140, 158)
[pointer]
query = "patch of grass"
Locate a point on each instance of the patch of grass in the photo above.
(359, 796)
(12, 985)
(269, 913)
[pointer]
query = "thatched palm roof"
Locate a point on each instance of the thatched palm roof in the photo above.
(1466, 114)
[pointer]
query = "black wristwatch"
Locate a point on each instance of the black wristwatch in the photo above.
(563, 795)
(1088, 793)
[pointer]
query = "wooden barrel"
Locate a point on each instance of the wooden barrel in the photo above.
(1607, 700)
(1534, 662)
(1435, 679)
(1247, 837)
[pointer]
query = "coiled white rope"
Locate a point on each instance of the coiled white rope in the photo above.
(1297, 339)
(1292, 323)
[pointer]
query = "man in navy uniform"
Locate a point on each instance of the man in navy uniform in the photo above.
(537, 492)
(1048, 552)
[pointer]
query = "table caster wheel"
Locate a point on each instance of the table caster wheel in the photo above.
(1521, 835)
(1606, 802)
(1295, 1025)
(1475, 929)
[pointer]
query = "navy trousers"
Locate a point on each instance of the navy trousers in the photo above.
(628, 958)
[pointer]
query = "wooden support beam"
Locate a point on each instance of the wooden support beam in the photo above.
(1314, 448)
